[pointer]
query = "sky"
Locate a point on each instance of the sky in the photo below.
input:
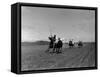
(39, 22)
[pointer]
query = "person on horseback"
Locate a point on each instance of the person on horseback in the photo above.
(80, 44)
(71, 43)
(52, 40)
(59, 45)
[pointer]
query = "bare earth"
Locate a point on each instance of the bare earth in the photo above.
(34, 57)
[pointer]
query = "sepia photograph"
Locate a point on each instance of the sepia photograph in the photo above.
(57, 38)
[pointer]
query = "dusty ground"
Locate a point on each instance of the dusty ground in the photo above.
(35, 58)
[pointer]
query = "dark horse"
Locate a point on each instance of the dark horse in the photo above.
(71, 44)
(58, 46)
(80, 44)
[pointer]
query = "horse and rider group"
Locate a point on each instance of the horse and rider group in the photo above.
(57, 44)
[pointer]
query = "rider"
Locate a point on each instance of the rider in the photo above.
(52, 40)
(71, 43)
(80, 44)
(59, 45)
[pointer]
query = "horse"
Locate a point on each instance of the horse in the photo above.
(58, 46)
(51, 44)
(55, 45)
(71, 44)
(80, 44)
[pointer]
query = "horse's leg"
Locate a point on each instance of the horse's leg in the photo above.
(54, 49)
(57, 50)
(60, 49)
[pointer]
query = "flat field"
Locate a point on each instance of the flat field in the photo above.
(34, 57)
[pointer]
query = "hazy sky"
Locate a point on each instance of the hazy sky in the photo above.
(38, 23)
